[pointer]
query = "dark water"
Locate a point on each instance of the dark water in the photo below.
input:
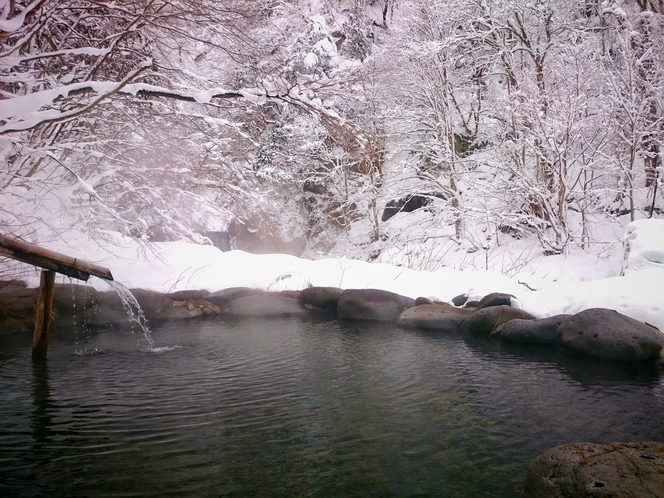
(298, 408)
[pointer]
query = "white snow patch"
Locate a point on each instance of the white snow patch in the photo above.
(325, 47)
(644, 246)
(182, 265)
(311, 60)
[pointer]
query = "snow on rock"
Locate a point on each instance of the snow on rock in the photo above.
(643, 245)
(636, 295)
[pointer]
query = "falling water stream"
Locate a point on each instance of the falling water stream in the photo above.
(133, 310)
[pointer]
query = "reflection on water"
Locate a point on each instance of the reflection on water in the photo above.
(41, 419)
(301, 408)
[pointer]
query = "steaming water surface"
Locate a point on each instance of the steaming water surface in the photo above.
(301, 408)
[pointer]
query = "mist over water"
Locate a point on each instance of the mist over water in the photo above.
(302, 408)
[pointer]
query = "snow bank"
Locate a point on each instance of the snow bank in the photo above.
(644, 246)
(181, 265)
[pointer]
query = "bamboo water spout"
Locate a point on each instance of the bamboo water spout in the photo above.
(52, 262)
(15, 248)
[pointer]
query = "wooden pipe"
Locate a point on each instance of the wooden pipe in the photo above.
(15, 248)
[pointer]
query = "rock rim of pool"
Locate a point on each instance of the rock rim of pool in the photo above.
(597, 333)
(585, 469)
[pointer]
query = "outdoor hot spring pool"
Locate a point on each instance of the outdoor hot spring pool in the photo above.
(297, 407)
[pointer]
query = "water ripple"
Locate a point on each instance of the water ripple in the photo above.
(299, 408)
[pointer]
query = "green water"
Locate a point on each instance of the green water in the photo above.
(296, 407)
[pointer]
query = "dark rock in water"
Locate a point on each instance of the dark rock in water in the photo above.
(17, 307)
(295, 294)
(151, 302)
(15, 289)
(325, 298)
(372, 304)
(17, 326)
(495, 299)
(96, 316)
(483, 322)
(191, 300)
(586, 470)
(434, 316)
(539, 331)
(225, 296)
(460, 300)
(610, 335)
(17, 304)
(207, 307)
(180, 313)
(189, 304)
(72, 298)
(263, 305)
(423, 300)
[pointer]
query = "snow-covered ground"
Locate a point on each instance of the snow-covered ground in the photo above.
(556, 285)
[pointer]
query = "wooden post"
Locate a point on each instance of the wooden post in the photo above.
(43, 315)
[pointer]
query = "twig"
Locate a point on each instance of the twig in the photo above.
(527, 286)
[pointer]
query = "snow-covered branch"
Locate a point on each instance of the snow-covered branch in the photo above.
(32, 118)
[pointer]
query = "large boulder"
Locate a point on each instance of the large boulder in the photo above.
(179, 313)
(324, 298)
(17, 308)
(72, 298)
(542, 331)
(151, 302)
(193, 301)
(17, 302)
(16, 326)
(109, 309)
(263, 305)
(460, 300)
(193, 307)
(610, 335)
(586, 470)
(483, 322)
(434, 316)
(495, 299)
(96, 317)
(187, 295)
(372, 304)
(223, 297)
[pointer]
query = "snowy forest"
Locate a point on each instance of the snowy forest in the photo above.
(399, 131)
